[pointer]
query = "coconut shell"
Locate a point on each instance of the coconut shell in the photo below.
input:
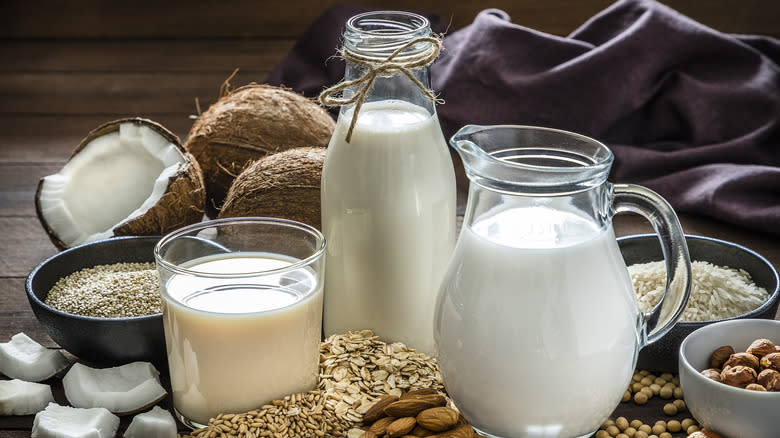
(183, 203)
(250, 123)
(283, 185)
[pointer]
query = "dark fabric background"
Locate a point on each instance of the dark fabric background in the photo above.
(689, 112)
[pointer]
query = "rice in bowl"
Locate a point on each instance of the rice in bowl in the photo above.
(717, 292)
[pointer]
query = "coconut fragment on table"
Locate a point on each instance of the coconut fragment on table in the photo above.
(157, 423)
(24, 359)
(122, 390)
(18, 397)
(63, 421)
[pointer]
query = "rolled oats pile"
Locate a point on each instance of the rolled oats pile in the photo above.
(355, 369)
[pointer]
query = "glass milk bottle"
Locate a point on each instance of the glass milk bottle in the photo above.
(388, 184)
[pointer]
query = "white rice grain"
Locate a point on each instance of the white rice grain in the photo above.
(717, 292)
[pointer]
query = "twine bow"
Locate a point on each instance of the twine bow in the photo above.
(375, 68)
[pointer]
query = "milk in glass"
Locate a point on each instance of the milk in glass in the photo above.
(219, 328)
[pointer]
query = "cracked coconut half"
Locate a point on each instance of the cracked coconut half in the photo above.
(128, 177)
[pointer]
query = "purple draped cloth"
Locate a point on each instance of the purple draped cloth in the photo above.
(689, 112)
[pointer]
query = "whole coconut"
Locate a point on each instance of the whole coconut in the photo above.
(247, 124)
(284, 185)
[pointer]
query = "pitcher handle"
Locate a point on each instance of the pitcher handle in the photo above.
(641, 200)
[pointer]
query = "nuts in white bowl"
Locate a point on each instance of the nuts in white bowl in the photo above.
(731, 411)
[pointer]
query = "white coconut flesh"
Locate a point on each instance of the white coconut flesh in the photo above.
(157, 423)
(66, 422)
(23, 358)
(18, 397)
(114, 178)
(123, 390)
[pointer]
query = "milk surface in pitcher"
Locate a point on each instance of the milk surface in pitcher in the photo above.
(388, 200)
(542, 304)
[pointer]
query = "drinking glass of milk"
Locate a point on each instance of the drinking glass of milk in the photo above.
(242, 312)
(536, 324)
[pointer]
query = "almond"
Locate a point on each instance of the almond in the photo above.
(438, 419)
(380, 426)
(435, 399)
(407, 408)
(368, 434)
(401, 427)
(461, 431)
(376, 411)
(418, 392)
(420, 431)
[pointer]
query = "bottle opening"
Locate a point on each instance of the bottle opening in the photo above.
(379, 34)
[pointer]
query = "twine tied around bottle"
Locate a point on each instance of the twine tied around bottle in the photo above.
(333, 96)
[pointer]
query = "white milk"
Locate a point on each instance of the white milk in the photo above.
(537, 337)
(388, 215)
(234, 345)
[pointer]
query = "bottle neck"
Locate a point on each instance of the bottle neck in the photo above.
(395, 86)
(380, 36)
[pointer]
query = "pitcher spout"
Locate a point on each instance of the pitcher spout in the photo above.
(465, 143)
(531, 160)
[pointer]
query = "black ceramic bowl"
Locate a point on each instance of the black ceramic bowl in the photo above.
(104, 341)
(663, 354)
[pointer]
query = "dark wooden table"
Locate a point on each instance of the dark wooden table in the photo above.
(66, 67)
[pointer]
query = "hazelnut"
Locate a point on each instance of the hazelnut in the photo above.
(720, 356)
(744, 359)
(712, 373)
(774, 384)
(761, 347)
(771, 361)
(738, 375)
(704, 434)
(765, 376)
(755, 387)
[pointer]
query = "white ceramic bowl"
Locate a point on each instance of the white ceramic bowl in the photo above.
(729, 411)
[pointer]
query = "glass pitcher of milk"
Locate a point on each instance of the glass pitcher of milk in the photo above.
(388, 187)
(537, 328)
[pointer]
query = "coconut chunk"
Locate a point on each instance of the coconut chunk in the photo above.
(157, 423)
(18, 397)
(65, 422)
(116, 183)
(123, 390)
(24, 359)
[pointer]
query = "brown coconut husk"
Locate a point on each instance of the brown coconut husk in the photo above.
(249, 123)
(284, 185)
(183, 203)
